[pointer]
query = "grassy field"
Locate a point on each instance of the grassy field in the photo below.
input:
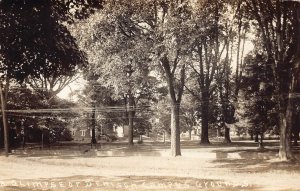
(148, 166)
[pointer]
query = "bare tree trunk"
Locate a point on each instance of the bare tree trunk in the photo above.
(130, 120)
(296, 138)
(175, 102)
(94, 141)
(227, 135)
(175, 130)
(1, 136)
(256, 138)
(24, 139)
(24, 135)
(204, 120)
(296, 129)
(297, 78)
(286, 119)
(225, 97)
(5, 125)
(285, 152)
(42, 139)
(261, 144)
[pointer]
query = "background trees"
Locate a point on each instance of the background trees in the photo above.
(207, 54)
(136, 38)
(205, 42)
(276, 23)
(129, 50)
(211, 56)
(30, 118)
(258, 92)
(119, 57)
(36, 43)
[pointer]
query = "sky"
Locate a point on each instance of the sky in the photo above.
(71, 88)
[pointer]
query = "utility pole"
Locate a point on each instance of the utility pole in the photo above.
(6, 144)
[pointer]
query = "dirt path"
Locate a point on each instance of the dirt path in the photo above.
(232, 168)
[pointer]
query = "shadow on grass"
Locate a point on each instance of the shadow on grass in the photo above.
(85, 151)
(255, 161)
(235, 144)
(236, 150)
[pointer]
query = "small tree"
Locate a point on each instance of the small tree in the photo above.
(259, 94)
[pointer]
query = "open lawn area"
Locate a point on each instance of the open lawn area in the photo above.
(148, 166)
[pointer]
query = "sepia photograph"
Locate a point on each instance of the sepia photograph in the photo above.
(149, 95)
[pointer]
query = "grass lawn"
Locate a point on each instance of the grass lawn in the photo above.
(148, 166)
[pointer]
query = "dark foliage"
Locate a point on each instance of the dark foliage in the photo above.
(259, 89)
(34, 39)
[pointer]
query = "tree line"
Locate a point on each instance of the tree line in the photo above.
(185, 51)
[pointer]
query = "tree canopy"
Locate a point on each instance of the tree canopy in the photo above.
(35, 39)
(195, 51)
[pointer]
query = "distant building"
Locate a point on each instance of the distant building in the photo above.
(82, 134)
(122, 131)
(85, 134)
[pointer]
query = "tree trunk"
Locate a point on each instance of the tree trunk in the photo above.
(251, 136)
(94, 141)
(256, 138)
(140, 139)
(286, 119)
(24, 137)
(296, 138)
(296, 74)
(285, 152)
(130, 120)
(227, 135)
(175, 102)
(5, 125)
(42, 138)
(1, 136)
(261, 144)
(295, 129)
(218, 132)
(190, 134)
(204, 121)
(175, 130)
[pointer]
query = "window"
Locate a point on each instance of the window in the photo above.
(82, 133)
(73, 132)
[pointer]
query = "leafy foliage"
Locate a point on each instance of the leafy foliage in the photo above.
(261, 105)
(29, 116)
(36, 40)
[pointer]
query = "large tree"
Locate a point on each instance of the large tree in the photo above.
(140, 33)
(117, 51)
(35, 42)
(277, 24)
(170, 33)
(207, 49)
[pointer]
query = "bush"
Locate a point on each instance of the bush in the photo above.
(60, 134)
